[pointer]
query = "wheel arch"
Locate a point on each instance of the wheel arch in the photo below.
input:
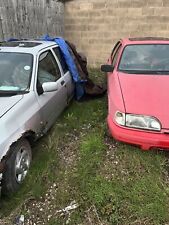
(29, 135)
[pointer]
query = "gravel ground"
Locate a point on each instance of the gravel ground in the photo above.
(44, 210)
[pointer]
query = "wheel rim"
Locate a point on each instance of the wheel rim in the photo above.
(22, 164)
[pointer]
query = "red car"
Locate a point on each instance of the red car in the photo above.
(138, 92)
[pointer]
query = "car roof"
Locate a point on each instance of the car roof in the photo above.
(25, 46)
(145, 40)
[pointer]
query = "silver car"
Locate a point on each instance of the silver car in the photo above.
(35, 87)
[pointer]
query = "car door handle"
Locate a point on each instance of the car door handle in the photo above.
(62, 82)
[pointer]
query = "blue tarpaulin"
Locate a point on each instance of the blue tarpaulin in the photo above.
(79, 84)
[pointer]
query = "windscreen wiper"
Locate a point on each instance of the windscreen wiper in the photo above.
(144, 72)
(132, 71)
(161, 72)
(11, 93)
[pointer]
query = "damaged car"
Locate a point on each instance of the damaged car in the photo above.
(138, 84)
(35, 87)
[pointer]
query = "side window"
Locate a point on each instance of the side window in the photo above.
(59, 55)
(48, 69)
(115, 53)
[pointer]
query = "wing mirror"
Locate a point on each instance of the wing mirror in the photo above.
(50, 86)
(107, 68)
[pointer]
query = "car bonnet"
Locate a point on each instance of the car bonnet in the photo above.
(146, 95)
(7, 103)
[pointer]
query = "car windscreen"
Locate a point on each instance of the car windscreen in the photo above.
(145, 59)
(15, 72)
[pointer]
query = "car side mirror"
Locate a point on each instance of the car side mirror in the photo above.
(50, 86)
(107, 68)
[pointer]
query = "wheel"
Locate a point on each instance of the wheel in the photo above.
(17, 166)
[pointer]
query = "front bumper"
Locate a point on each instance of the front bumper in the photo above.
(144, 139)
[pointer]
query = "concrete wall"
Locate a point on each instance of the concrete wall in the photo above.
(95, 25)
(30, 18)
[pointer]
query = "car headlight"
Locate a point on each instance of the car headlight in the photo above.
(137, 121)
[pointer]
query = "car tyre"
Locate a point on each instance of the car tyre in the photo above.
(17, 166)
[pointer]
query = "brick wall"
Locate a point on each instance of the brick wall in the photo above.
(31, 18)
(95, 25)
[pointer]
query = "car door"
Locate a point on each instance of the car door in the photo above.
(113, 81)
(67, 76)
(51, 103)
